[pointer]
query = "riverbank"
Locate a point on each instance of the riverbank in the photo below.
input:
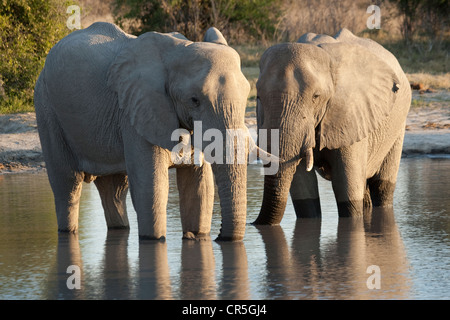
(427, 132)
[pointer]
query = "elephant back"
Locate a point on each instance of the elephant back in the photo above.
(83, 57)
(346, 36)
(75, 80)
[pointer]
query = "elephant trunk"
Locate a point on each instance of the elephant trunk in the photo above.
(296, 143)
(231, 180)
(276, 193)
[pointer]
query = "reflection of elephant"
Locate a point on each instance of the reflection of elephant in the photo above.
(235, 272)
(340, 103)
(68, 255)
(317, 266)
(107, 104)
(151, 274)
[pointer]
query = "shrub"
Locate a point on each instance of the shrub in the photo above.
(28, 29)
(238, 20)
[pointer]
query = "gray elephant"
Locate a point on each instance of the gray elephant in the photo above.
(340, 103)
(107, 106)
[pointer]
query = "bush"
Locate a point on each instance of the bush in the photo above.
(428, 18)
(28, 30)
(238, 20)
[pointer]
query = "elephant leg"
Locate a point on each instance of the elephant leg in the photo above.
(113, 191)
(367, 197)
(382, 184)
(196, 189)
(305, 193)
(148, 177)
(66, 186)
(65, 180)
(349, 179)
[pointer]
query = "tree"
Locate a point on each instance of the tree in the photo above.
(435, 17)
(28, 29)
(238, 19)
(431, 17)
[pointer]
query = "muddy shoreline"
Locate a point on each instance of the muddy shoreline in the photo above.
(427, 133)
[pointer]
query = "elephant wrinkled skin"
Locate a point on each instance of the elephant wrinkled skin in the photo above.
(107, 104)
(340, 103)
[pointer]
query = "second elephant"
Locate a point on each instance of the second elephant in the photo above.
(340, 103)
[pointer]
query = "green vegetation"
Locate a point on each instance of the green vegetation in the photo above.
(28, 30)
(239, 20)
(417, 32)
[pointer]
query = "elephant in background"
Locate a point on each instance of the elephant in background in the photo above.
(107, 104)
(340, 104)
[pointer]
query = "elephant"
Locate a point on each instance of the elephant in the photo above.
(340, 104)
(107, 107)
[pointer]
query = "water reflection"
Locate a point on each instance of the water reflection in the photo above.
(68, 254)
(338, 269)
(235, 281)
(152, 279)
(301, 259)
(299, 268)
(153, 275)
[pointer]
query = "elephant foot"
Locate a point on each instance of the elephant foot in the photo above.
(382, 193)
(367, 202)
(145, 238)
(350, 208)
(307, 208)
(127, 227)
(68, 230)
(228, 239)
(196, 236)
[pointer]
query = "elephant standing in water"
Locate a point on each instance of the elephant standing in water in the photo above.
(340, 103)
(107, 105)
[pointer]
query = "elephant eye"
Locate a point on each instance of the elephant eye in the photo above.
(316, 95)
(195, 101)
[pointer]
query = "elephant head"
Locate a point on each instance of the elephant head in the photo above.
(322, 94)
(165, 82)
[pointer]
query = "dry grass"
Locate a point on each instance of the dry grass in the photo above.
(433, 81)
(321, 16)
(251, 73)
(250, 53)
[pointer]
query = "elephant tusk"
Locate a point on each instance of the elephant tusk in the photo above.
(198, 157)
(260, 153)
(266, 156)
(257, 151)
(309, 159)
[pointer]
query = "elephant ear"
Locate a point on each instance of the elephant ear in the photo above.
(215, 36)
(138, 75)
(365, 92)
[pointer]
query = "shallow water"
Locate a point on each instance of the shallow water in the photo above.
(329, 258)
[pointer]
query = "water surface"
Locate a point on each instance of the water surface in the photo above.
(300, 259)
